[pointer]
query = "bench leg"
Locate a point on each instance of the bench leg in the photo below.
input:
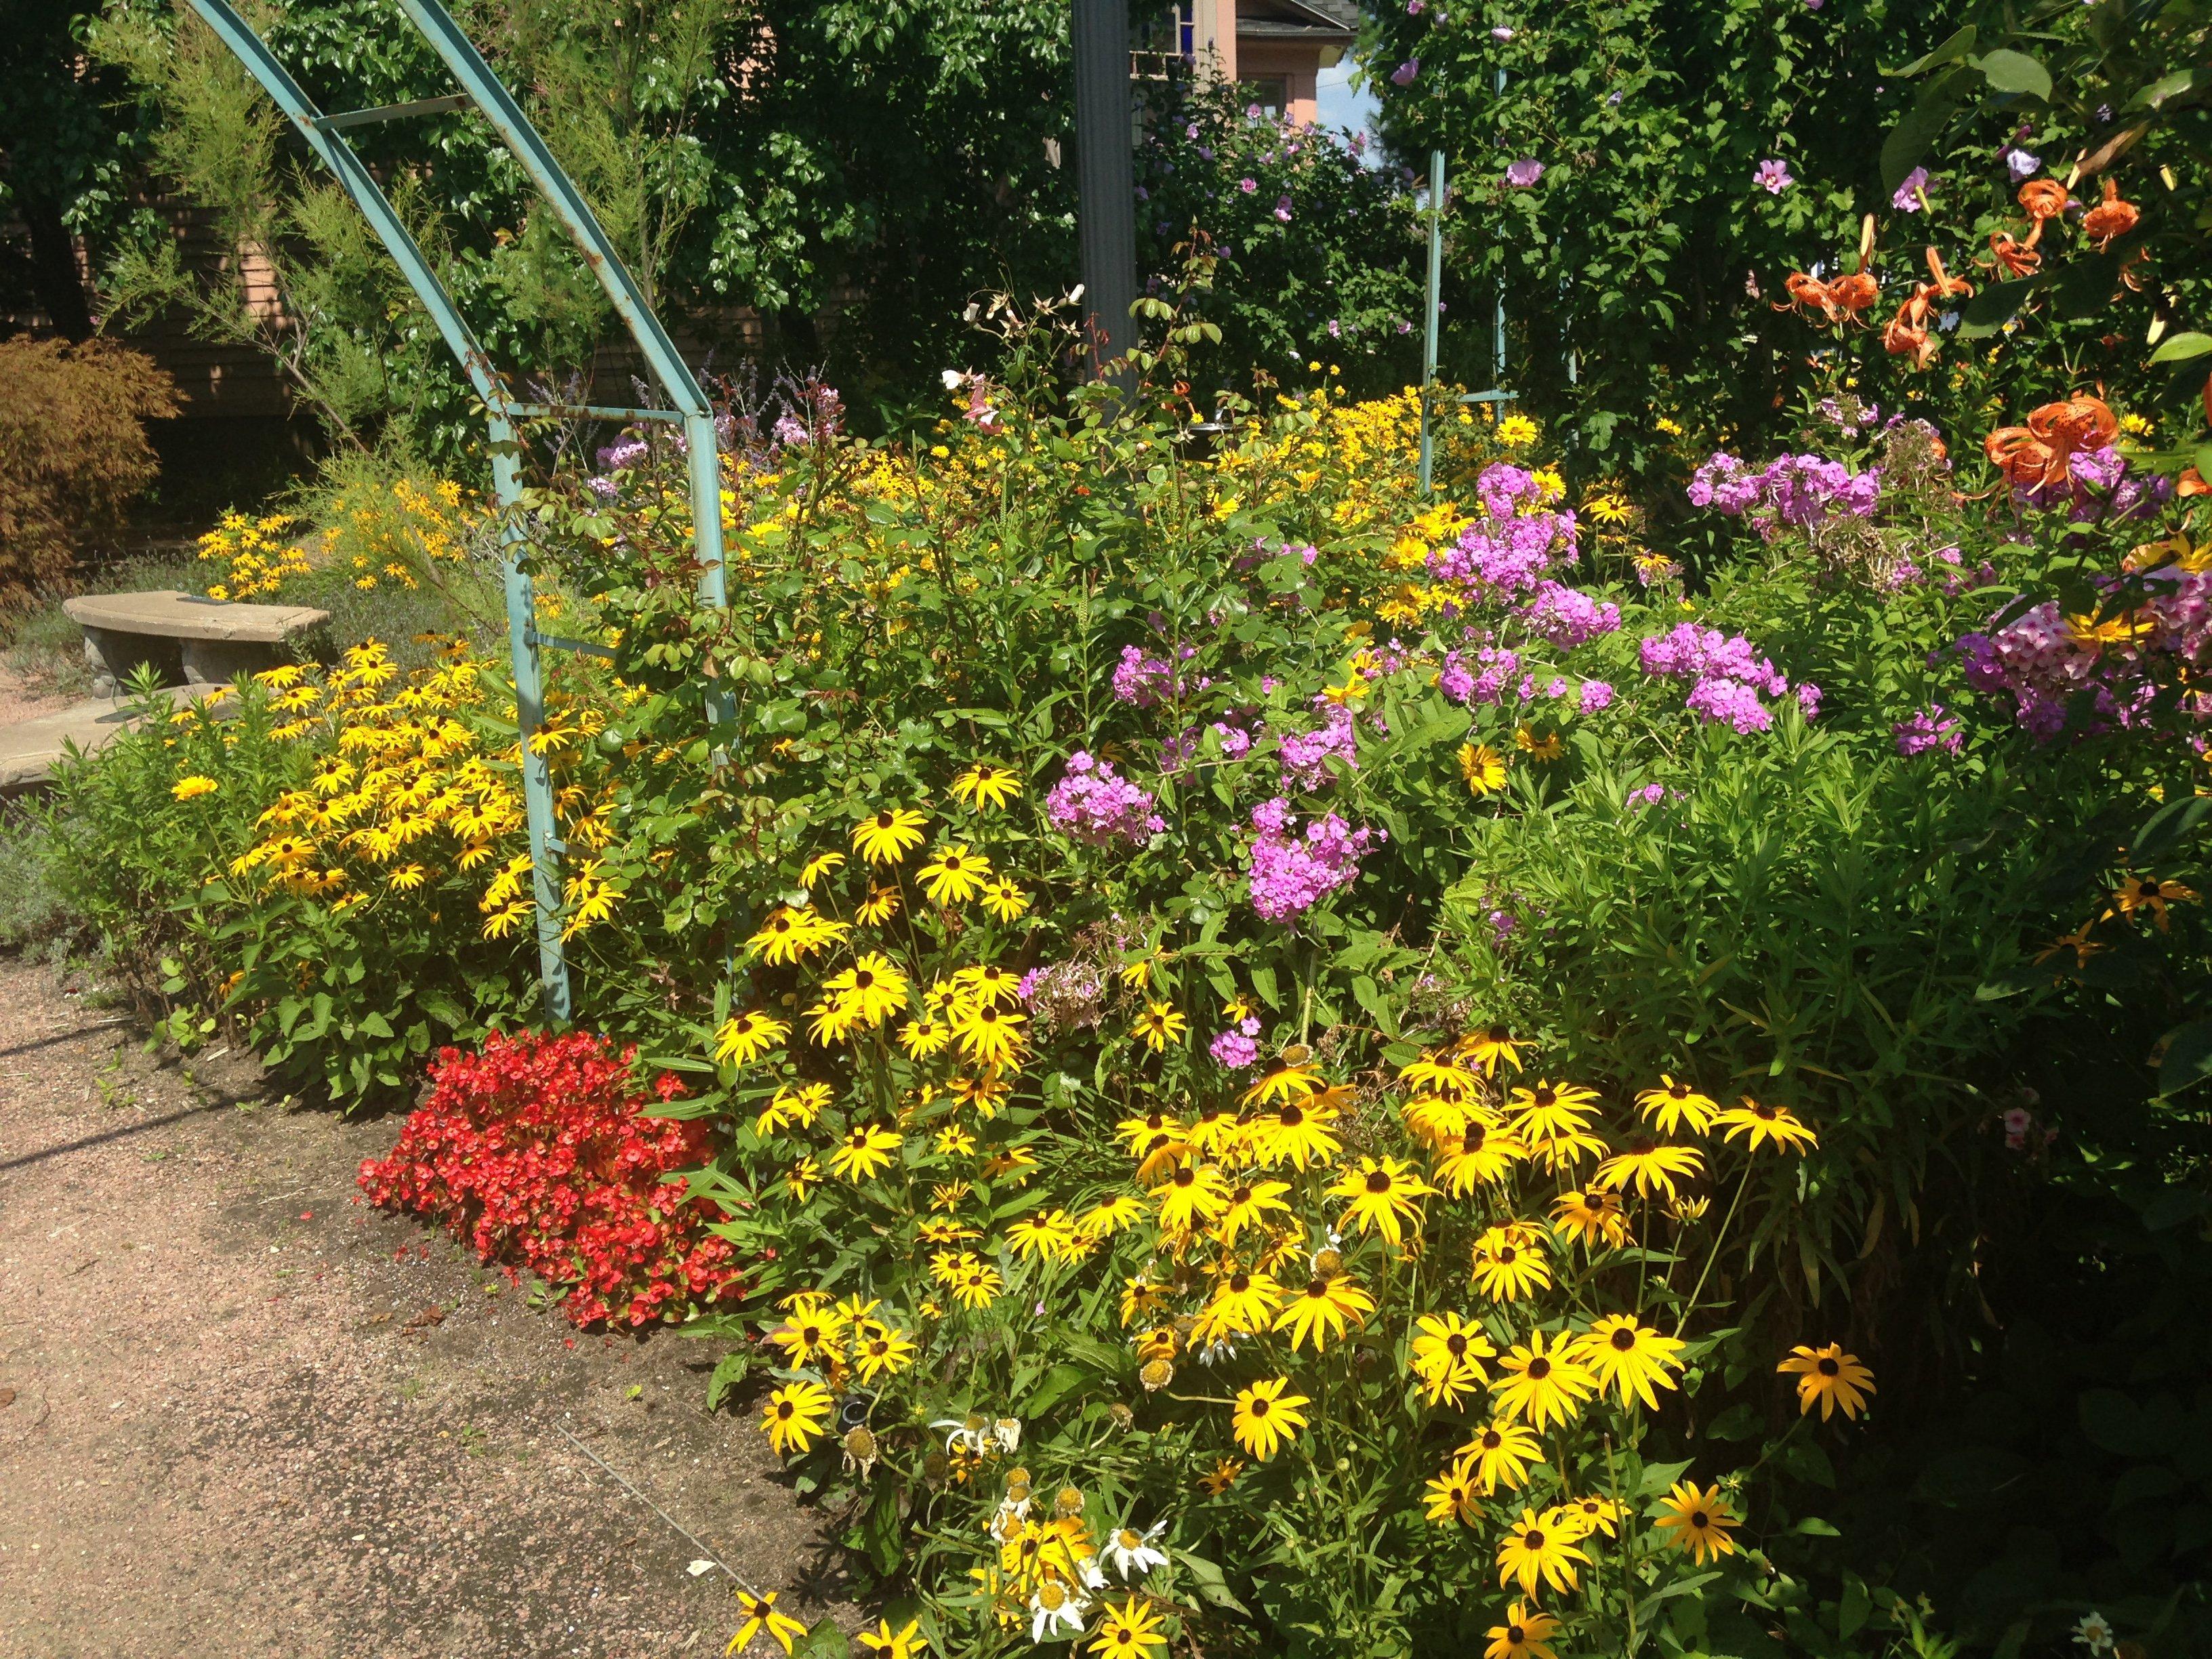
(218, 662)
(114, 657)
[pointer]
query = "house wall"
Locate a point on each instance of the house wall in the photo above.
(1298, 67)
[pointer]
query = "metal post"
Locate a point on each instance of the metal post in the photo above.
(1106, 185)
(1436, 310)
(545, 846)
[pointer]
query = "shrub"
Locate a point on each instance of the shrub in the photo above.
(536, 1152)
(73, 452)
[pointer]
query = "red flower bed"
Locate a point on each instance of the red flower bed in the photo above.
(535, 1152)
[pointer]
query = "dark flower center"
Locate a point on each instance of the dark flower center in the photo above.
(1623, 1339)
(784, 1409)
(1259, 1407)
(1513, 1634)
(1185, 1177)
(863, 980)
(1491, 1440)
(1532, 1541)
(952, 861)
(1507, 1257)
(1679, 1091)
(1829, 1368)
(1378, 1182)
(1455, 1345)
(1292, 1117)
(1239, 1284)
(1700, 1520)
(1317, 1290)
(1546, 1098)
(811, 1334)
(1768, 1113)
(1540, 1369)
(1472, 1139)
(885, 820)
(1241, 1196)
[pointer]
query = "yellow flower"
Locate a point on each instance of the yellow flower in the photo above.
(743, 1038)
(1129, 1632)
(1323, 1310)
(1223, 1475)
(1545, 748)
(1451, 1498)
(988, 1034)
(1648, 1164)
(879, 907)
(1525, 1634)
(1500, 1454)
(889, 836)
(1160, 1025)
(791, 933)
(1381, 1195)
(794, 1416)
(1516, 431)
(190, 788)
(887, 1643)
(1510, 1264)
(1829, 1378)
(1533, 1554)
(1537, 1386)
(1265, 1419)
(986, 784)
(1766, 1125)
(1483, 768)
(1629, 1358)
(977, 1285)
(1670, 1103)
(866, 1150)
(955, 875)
(1699, 1521)
(818, 866)
(760, 1614)
(882, 1352)
(802, 1177)
(1003, 900)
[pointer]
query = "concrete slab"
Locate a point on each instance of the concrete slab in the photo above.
(30, 750)
(169, 614)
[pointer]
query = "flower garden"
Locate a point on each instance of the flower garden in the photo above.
(1232, 1058)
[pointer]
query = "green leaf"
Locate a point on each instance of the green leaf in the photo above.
(1854, 1608)
(2167, 826)
(824, 1641)
(1920, 126)
(2180, 348)
(1060, 1382)
(2114, 1423)
(1957, 46)
(2188, 1057)
(2006, 70)
(727, 1373)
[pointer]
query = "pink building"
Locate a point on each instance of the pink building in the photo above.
(1274, 48)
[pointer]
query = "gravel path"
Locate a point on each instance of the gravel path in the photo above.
(242, 1415)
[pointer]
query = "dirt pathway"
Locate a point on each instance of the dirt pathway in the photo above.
(245, 1417)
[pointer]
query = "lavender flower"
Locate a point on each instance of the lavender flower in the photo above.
(1403, 75)
(1772, 176)
(1095, 806)
(1236, 1047)
(1307, 756)
(1928, 730)
(1523, 173)
(1291, 873)
(1907, 197)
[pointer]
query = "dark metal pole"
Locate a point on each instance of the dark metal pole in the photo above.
(1106, 185)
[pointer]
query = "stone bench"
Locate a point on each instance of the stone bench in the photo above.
(189, 640)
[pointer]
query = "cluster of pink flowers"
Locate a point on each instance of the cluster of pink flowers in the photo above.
(1146, 680)
(1498, 667)
(1291, 873)
(2098, 487)
(1505, 552)
(1098, 807)
(1567, 616)
(2048, 670)
(1792, 489)
(1928, 729)
(1308, 755)
(1236, 1047)
(1728, 675)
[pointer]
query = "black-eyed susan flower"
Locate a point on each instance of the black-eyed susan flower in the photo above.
(1221, 1476)
(955, 1141)
(743, 1038)
(794, 1416)
(1480, 1153)
(757, 1613)
(988, 1034)
(1500, 1455)
(2150, 896)
(1450, 1498)
(1435, 1074)
(792, 932)
(193, 788)
(1525, 1634)
(1003, 901)
(820, 865)
(1109, 1216)
(1265, 1419)
(1697, 1522)
(1191, 1197)
(1297, 1133)
(1532, 1553)
(906, 1643)
(955, 875)
(1629, 1358)
(977, 1285)
(1538, 1385)
(1329, 1304)
(1597, 1514)
(1774, 1125)
(1491, 1047)
(1159, 1026)
(1595, 1217)
(1138, 1133)
(1293, 1080)
(1448, 1355)
(1552, 1108)
(802, 1177)
(872, 987)
(1648, 1165)
(812, 1334)
(1050, 1235)
(1250, 1202)
(1671, 1105)
(1509, 1264)
(1130, 1630)
(1830, 1379)
(881, 904)
(1382, 1195)
(1483, 768)
(1244, 1302)
(986, 784)
(865, 1152)
(922, 1036)
(1544, 746)
(889, 836)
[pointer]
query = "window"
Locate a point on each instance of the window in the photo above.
(1271, 93)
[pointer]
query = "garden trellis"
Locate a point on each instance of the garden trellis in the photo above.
(1435, 313)
(482, 91)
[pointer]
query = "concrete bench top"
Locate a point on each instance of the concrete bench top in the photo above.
(171, 614)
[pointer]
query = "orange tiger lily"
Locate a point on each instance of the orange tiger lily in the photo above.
(2043, 199)
(2016, 258)
(2111, 218)
(1907, 333)
(2036, 454)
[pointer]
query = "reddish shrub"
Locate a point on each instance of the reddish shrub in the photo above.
(534, 1151)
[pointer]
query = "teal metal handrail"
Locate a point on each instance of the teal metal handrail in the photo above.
(483, 91)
